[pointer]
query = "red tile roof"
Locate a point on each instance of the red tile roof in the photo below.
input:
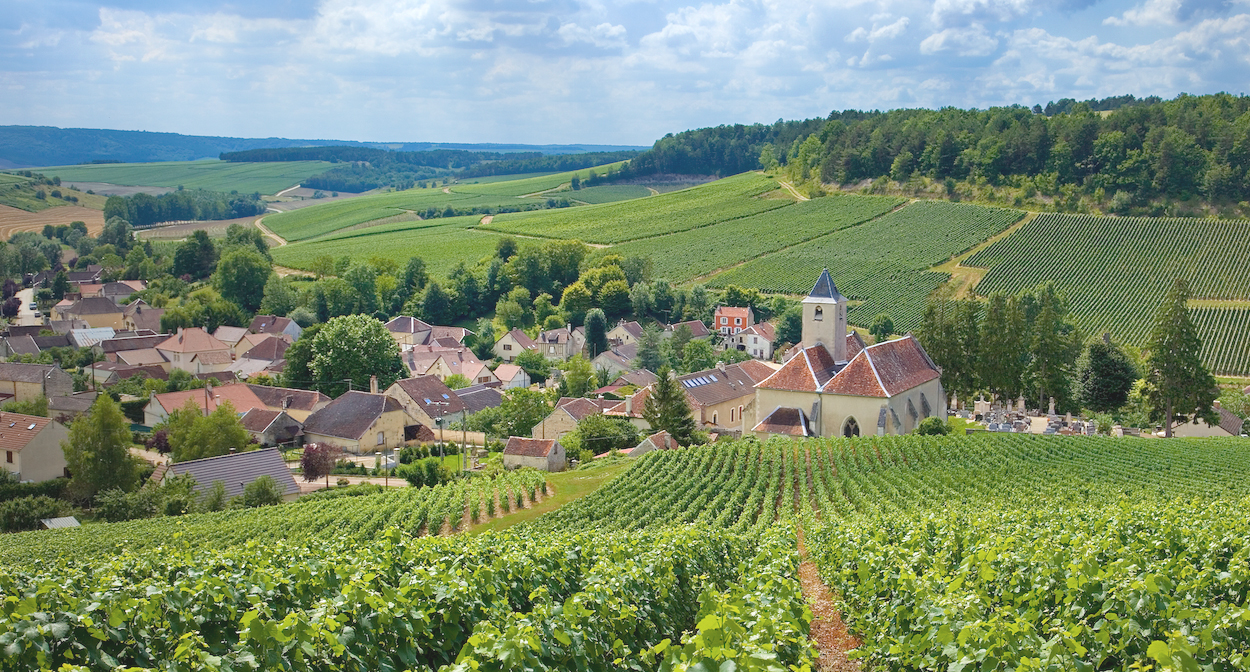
(523, 447)
(239, 396)
(17, 430)
(783, 420)
(885, 369)
(733, 311)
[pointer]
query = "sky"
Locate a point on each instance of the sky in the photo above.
(585, 71)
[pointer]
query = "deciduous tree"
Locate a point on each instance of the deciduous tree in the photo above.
(98, 450)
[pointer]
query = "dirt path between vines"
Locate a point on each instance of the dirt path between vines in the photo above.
(828, 632)
(259, 223)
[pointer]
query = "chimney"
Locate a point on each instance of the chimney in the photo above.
(286, 402)
(373, 384)
(1216, 404)
(232, 450)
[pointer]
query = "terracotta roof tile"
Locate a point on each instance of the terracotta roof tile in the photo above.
(17, 430)
(523, 447)
(194, 339)
(787, 421)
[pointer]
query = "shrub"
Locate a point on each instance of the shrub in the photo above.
(932, 427)
(17, 515)
(263, 491)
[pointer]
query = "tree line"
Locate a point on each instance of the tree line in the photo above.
(1190, 146)
(182, 205)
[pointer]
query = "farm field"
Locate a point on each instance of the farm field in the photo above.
(883, 263)
(690, 254)
(326, 218)
(13, 220)
(608, 193)
(720, 201)
(987, 552)
(265, 178)
(442, 243)
(1116, 271)
(522, 185)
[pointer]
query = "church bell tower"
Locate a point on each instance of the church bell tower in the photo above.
(824, 318)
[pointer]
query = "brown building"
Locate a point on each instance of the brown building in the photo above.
(541, 454)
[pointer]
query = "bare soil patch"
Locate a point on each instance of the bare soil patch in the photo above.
(13, 220)
(180, 231)
(828, 632)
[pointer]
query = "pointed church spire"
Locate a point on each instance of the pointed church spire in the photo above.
(825, 289)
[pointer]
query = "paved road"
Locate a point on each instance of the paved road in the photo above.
(26, 316)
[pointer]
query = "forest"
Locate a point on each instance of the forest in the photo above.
(1185, 148)
(182, 205)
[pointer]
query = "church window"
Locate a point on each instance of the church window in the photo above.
(819, 314)
(850, 428)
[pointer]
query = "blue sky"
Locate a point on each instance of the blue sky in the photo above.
(566, 71)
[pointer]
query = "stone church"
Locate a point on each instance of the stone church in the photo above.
(833, 384)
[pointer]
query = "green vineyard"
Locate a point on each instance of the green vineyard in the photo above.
(697, 252)
(1116, 271)
(981, 552)
(413, 510)
(700, 206)
(882, 263)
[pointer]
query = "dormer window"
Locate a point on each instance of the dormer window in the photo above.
(819, 314)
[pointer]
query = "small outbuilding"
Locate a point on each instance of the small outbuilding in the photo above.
(541, 454)
(235, 471)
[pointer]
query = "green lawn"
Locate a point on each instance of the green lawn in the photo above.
(224, 176)
(569, 485)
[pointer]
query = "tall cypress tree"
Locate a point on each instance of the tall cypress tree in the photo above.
(596, 332)
(666, 408)
(1003, 347)
(1179, 383)
(1053, 346)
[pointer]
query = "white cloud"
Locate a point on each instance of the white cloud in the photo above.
(1153, 12)
(957, 12)
(604, 35)
(971, 41)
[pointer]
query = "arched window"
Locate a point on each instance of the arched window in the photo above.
(819, 314)
(850, 428)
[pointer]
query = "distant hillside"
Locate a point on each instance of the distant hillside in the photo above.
(25, 146)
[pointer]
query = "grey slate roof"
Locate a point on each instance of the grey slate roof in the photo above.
(824, 288)
(25, 373)
(479, 397)
(235, 471)
(432, 395)
(300, 400)
(351, 415)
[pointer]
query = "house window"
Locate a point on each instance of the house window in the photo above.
(731, 415)
(724, 320)
(552, 350)
(737, 320)
(851, 428)
(507, 346)
(713, 418)
(739, 414)
(381, 438)
(8, 456)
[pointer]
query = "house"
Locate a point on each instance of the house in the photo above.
(408, 330)
(111, 347)
(118, 291)
(28, 382)
(270, 324)
(89, 275)
(428, 401)
(560, 344)
(298, 404)
(512, 344)
(111, 373)
(444, 363)
(144, 357)
(616, 360)
(32, 447)
(698, 330)
(756, 340)
(96, 311)
(625, 333)
(267, 356)
(1230, 424)
(479, 398)
(835, 386)
(635, 379)
(359, 423)
(719, 398)
(541, 454)
(195, 351)
(139, 315)
(235, 471)
(728, 320)
(65, 409)
(271, 428)
(250, 341)
(661, 440)
(86, 338)
(207, 399)
(230, 335)
(20, 345)
(511, 375)
(567, 413)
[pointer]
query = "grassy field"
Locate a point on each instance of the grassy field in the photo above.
(568, 486)
(1116, 271)
(700, 206)
(883, 263)
(320, 220)
(266, 178)
(17, 191)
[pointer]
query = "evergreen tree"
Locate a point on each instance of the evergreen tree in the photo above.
(649, 356)
(1179, 383)
(60, 285)
(1103, 377)
(1053, 348)
(98, 450)
(967, 333)
(596, 332)
(436, 307)
(938, 336)
(1003, 346)
(415, 275)
(666, 408)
